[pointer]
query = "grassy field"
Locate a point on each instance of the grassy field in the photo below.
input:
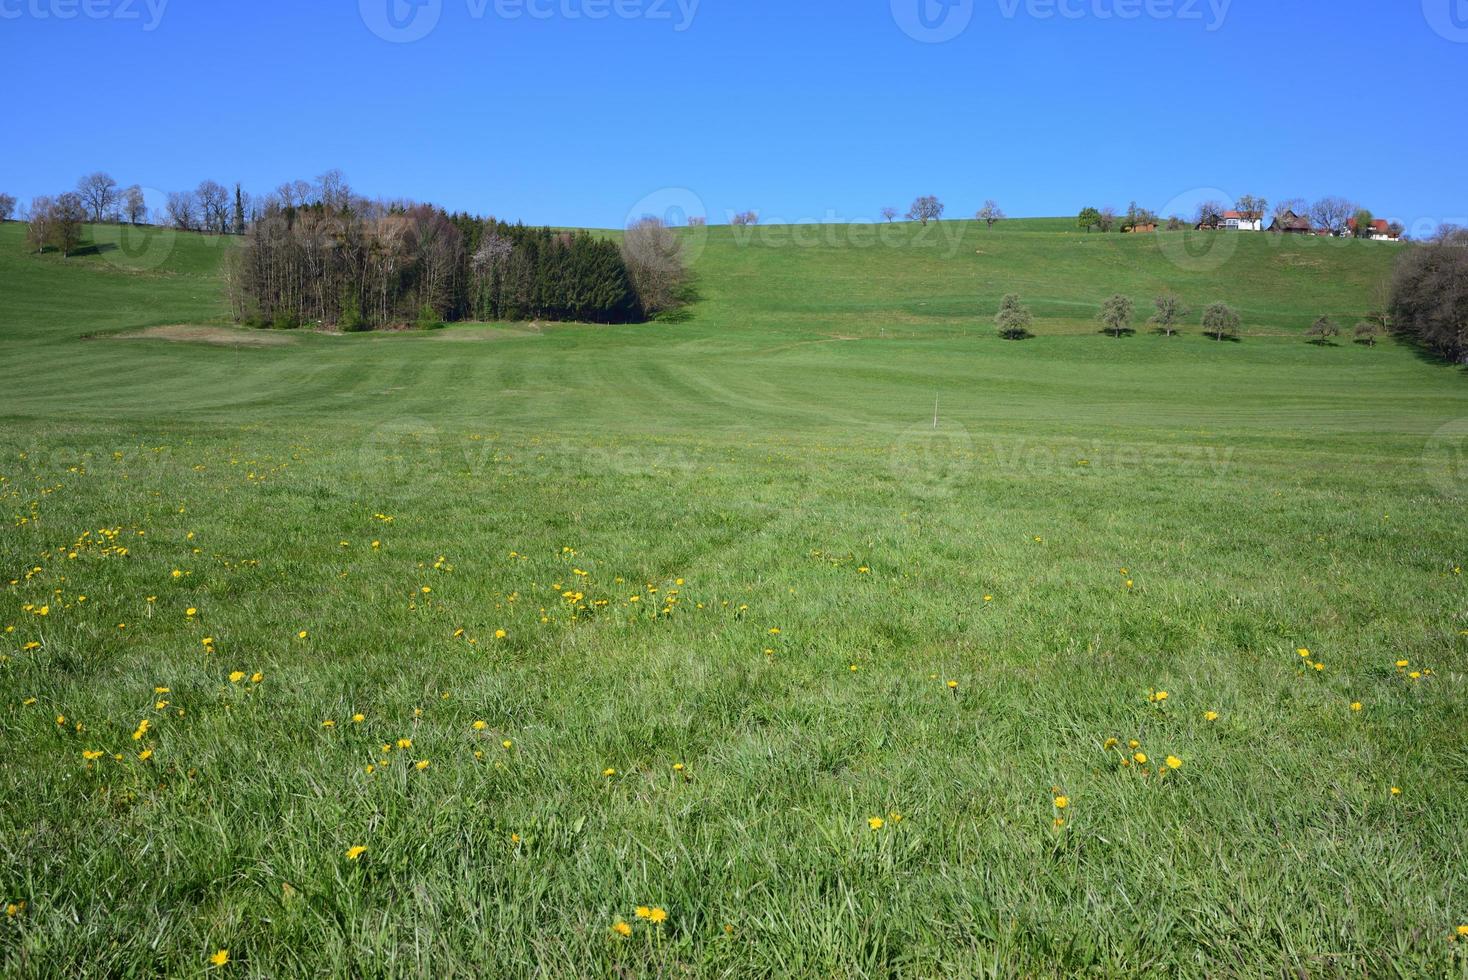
(708, 618)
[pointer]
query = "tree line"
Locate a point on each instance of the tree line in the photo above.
(328, 262)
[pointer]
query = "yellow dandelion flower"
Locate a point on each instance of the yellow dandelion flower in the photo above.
(220, 958)
(302, 635)
(876, 823)
(256, 677)
(91, 755)
(421, 765)
(1141, 758)
(609, 772)
(1058, 822)
(358, 718)
(1355, 705)
(621, 928)
(507, 745)
(405, 743)
(1402, 663)
(658, 915)
(678, 767)
(1173, 762)
(500, 634)
(644, 911)
(1304, 653)
(328, 723)
(952, 685)
(1061, 802)
(1210, 716)
(1396, 791)
(145, 755)
(1463, 930)
(1110, 743)
(355, 852)
(235, 676)
(480, 726)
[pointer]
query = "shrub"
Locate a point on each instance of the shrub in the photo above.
(428, 318)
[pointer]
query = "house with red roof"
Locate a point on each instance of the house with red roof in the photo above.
(1380, 231)
(1243, 220)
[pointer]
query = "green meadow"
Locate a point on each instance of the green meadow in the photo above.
(816, 622)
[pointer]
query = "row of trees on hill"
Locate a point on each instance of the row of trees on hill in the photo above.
(1429, 295)
(329, 264)
(1117, 313)
(928, 208)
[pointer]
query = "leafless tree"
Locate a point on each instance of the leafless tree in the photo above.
(68, 216)
(98, 193)
(7, 206)
(926, 208)
(336, 193)
(183, 210)
(889, 213)
(698, 221)
(654, 259)
(1322, 330)
(1108, 218)
(1209, 214)
(1331, 213)
(990, 213)
(1291, 205)
(38, 230)
(1220, 321)
(213, 206)
(134, 206)
(1253, 207)
(746, 218)
(1367, 332)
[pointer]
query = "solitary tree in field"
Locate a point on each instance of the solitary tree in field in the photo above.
(1367, 332)
(1116, 315)
(98, 194)
(990, 213)
(1322, 330)
(653, 255)
(926, 208)
(7, 207)
(1170, 312)
(745, 218)
(1220, 321)
(1013, 319)
(1088, 219)
(134, 206)
(889, 213)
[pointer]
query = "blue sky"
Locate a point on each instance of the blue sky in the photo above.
(544, 111)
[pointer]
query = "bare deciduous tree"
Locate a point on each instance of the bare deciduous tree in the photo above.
(889, 213)
(134, 206)
(654, 258)
(926, 208)
(1108, 218)
(1367, 332)
(182, 209)
(745, 218)
(1331, 213)
(1291, 205)
(39, 218)
(1251, 206)
(98, 194)
(1220, 321)
(68, 216)
(990, 213)
(1209, 214)
(1322, 330)
(213, 206)
(7, 207)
